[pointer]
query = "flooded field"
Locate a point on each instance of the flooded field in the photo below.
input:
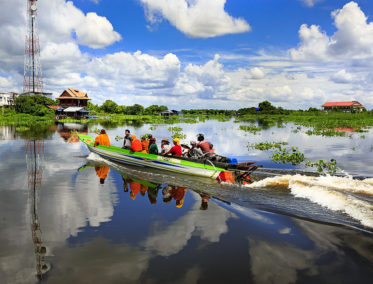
(69, 216)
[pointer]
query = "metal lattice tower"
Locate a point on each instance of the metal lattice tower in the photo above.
(32, 81)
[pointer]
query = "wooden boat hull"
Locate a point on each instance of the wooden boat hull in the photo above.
(168, 163)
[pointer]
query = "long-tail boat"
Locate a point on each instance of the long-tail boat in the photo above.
(197, 167)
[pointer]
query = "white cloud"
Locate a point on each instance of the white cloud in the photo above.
(58, 19)
(206, 81)
(314, 44)
(195, 18)
(342, 77)
(352, 40)
(96, 32)
(257, 73)
(6, 83)
(218, 82)
(311, 3)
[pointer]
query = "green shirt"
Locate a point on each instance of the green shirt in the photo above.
(153, 149)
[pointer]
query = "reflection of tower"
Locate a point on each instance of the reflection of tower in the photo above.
(32, 80)
(34, 150)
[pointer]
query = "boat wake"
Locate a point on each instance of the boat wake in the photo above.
(343, 194)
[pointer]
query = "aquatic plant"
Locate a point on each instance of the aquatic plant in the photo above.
(118, 138)
(179, 135)
(321, 166)
(250, 128)
(264, 146)
(326, 132)
(295, 157)
(176, 132)
(175, 129)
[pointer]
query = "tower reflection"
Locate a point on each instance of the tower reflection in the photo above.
(34, 150)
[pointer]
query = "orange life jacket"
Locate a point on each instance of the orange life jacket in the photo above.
(102, 139)
(136, 146)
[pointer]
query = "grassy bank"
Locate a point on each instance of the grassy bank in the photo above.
(129, 119)
(11, 118)
(317, 120)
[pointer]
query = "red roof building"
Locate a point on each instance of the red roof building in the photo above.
(73, 98)
(343, 106)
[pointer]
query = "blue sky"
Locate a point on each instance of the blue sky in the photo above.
(197, 53)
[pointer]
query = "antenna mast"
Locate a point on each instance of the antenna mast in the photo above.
(32, 80)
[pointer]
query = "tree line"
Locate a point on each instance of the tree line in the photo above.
(110, 106)
(37, 105)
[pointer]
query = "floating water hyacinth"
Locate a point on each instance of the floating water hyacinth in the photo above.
(117, 138)
(250, 128)
(96, 130)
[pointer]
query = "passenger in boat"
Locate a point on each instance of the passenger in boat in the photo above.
(135, 144)
(165, 146)
(202, 144)
(194, 151)
(102, 139)
(127, 140)
(185, 150)
(144, 144)
(153, 148)
(176, 149)
(211, 151)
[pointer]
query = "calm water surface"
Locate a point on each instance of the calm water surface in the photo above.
(68, 216)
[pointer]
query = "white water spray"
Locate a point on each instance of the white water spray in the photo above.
(342, 194)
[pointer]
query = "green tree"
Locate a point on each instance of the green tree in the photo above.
(93, 107)
(109, 106)
(122, 109)
(266, 106)
(155, 109)
(34, 105)
(136, 109)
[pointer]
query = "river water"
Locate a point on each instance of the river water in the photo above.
(69, 216)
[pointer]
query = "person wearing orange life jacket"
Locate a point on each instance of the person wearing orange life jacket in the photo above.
(102, 139)
(145, 145)
(136, 144)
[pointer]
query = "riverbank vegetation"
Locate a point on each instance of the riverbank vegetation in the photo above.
(29, 110)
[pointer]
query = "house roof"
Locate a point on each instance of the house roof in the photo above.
(75, 109)
(74, 94)
(344, 104)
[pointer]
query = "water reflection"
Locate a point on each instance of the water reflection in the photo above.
(136, 186)
(69, 131)
(34, 151)
(83, 230)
